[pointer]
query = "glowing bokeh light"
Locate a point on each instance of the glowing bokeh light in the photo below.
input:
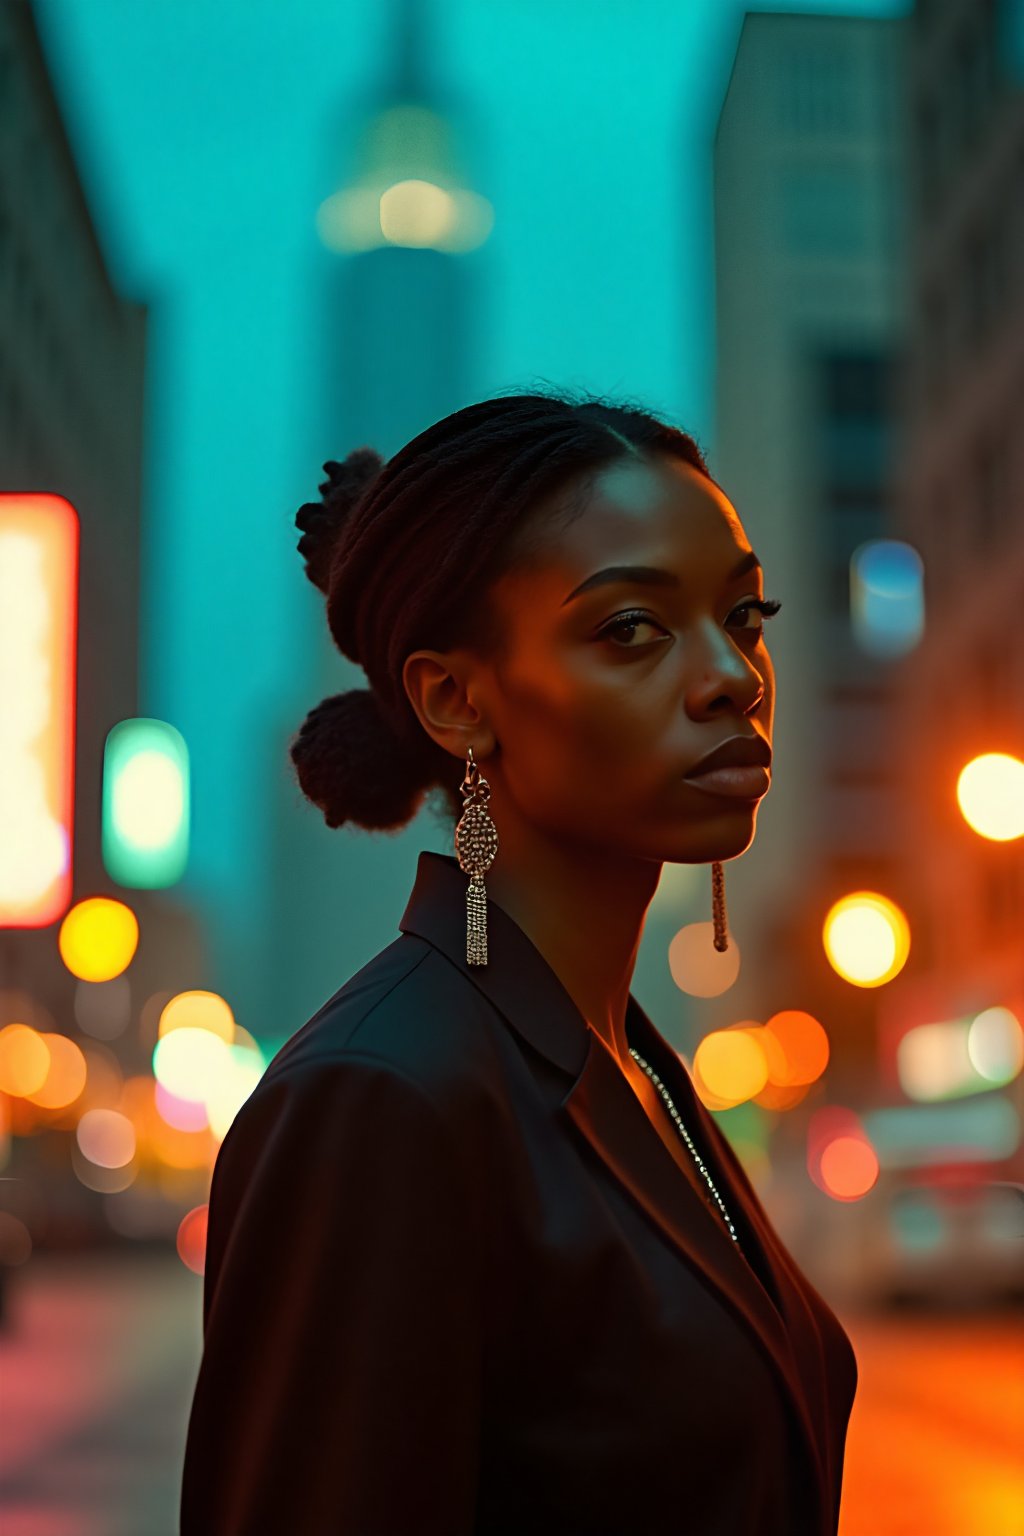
(406, 189)
(198, 1010)
(150, 799)
(866, 938)
(849, 1168)
(801, 1048)
(990, 794)
(24, 1060)
(416, 213)
(183, 1114)
(886, 597)
(98, 938)
(182, 1151)
(191, 1239)
(106, 1137)
(232, 1089)
(977, 1129)
(731, 1065)
(995, 1045)
(65, 1077)
(697, 967)
(39, 566)
(190, 1062)
(932, 1061)
(146, 803)
(105, 1181)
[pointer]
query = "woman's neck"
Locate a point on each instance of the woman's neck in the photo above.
(584, 911)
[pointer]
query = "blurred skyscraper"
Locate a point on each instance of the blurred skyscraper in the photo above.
(398, 324)
(962, 502)
(72, 369)
(811, 299)
(72, 391)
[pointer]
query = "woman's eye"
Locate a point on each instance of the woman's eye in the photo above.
(767, 607)
(627, 624)
(630, 622)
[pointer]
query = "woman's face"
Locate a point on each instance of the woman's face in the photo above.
(599, 711)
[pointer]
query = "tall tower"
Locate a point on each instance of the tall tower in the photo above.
(396, 281)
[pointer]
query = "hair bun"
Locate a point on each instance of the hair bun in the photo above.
(322, 521)
(351, 765)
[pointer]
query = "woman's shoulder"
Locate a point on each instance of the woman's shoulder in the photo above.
(408, 1011)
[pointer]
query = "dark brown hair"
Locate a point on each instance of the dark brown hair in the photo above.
(405, 552)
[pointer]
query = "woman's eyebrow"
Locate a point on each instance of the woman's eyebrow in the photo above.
(653, 575)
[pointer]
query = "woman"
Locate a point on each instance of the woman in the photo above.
(479, 1261)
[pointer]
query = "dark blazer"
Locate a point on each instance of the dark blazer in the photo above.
(457, 1286)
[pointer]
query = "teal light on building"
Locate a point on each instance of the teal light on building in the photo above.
(145, 804)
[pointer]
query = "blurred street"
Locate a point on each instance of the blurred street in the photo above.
(99, 1355)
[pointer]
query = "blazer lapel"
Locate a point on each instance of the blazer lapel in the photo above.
(602, 1107)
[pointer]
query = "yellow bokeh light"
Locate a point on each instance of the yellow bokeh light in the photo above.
(198, 1010)
(231, 1091)
(416, 213)
(866, 938)
(191, 1062)
(98, 938)
(990, 794)
(732, 1065)
(24, 1060)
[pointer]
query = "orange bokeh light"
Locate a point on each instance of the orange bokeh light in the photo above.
(802, 1049)
(191, 1240)
(24, 1060)
(66, 1076)
(848, 1167)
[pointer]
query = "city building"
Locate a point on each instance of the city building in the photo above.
(811, 292)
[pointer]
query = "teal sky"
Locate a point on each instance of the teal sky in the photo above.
(207, 131)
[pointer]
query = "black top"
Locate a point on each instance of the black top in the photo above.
(456, 1285)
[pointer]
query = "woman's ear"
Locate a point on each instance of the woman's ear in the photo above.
(439, 685)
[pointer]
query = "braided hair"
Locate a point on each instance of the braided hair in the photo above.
(405, 551)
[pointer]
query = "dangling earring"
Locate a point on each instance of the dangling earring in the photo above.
(476, 843)
(721, 939)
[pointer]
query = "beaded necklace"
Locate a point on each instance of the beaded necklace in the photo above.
(684, 1133)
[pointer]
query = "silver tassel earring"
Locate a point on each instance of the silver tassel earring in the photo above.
(476, 843)
(721, 939)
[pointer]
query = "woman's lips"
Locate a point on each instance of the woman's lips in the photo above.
(741, 783)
